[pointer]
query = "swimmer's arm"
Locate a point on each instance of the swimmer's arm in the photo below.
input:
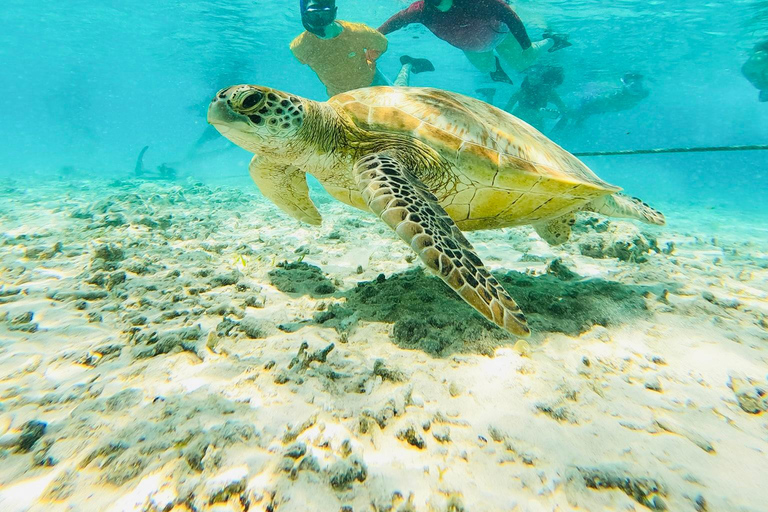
(403, 18)
(298, 50)
(558, 102)
(510, 18)
(512, 102)
(374, 43)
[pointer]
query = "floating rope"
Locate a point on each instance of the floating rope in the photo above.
(710, 149)
(659, 151)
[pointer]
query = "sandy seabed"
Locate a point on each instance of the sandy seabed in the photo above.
(182, 347)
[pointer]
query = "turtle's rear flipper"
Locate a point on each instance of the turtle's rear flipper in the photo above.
(556, 231)
(406, 205)
(619, 205)
(763, 96)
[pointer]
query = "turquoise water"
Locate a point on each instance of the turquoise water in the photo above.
(182, 344)
(88, 84)
(179, 343)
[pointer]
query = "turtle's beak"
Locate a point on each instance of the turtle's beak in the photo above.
(221, 115)
(232, 125)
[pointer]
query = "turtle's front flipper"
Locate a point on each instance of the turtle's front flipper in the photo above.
(403, 202)
(286, 186)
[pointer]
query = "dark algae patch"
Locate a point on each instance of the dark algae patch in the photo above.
(427, 315)
(572, 307)
(302, 279)
(644, 490)
(31, 432)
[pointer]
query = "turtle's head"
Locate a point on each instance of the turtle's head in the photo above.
(256, 118)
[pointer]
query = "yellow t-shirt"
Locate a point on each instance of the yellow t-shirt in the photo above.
(341, 62)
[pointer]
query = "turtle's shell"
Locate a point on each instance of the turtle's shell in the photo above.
(506, 171)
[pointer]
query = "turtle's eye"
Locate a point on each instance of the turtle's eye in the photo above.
(252, 100)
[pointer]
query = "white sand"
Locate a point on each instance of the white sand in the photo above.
(644, 404)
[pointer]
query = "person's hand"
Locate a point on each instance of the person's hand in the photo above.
(549, 113)
(372, 55)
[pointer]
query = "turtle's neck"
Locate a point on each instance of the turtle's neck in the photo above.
(324, 130)
(334, 142)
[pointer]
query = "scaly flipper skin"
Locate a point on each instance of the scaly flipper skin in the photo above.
(620, 205)
(556, 231)
(395, 194)
(286, 186)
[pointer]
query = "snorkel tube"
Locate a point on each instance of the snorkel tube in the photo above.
(633, 83)
(440, 5)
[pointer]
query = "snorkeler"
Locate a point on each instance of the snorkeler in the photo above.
(531, 102)
(163, 172)
(479, 27)
(343, 54)
(756, 70)
(626, 97)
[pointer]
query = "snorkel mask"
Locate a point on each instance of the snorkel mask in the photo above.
(317, 15)
(761, 47)
(436, 5)
(633, 82)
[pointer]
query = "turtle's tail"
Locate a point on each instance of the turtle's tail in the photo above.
(619, 205)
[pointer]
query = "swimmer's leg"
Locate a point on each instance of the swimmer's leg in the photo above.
(515, 58)
(404, 76)
(561, 124)
(487, 94)
(380, 80)
(489, 63)
(561, 41)
(484, 61)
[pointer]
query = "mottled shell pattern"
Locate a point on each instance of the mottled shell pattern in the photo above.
(506, 171)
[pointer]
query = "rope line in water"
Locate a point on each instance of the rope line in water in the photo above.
(657, 151)
(711, 149)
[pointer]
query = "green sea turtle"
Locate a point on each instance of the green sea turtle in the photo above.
(429, 163)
